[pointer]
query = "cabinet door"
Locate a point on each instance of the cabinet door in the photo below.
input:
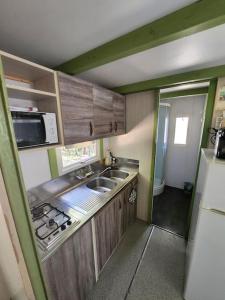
(119, 107)
(76, 97)
(70, 273)
(121, 207)
(130, 208)
(106, 230)
(103, 112)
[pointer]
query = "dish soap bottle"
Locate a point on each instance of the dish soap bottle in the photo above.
(108, 160)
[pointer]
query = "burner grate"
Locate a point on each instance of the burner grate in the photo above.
(48, 213)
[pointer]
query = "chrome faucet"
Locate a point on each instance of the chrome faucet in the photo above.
(106, 169)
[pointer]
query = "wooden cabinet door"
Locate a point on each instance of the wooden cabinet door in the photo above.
(119, 108)
(76, 97)
(103, 112)
(130, 209)
(106, 230)
(70, 272)
(121, 207)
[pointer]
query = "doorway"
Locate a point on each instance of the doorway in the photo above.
(179, 132)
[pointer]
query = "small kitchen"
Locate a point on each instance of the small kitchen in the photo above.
(79, 163)
(85, 211)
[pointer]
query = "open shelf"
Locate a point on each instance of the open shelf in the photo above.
(20, 71)
(30, 85)
(19, 92)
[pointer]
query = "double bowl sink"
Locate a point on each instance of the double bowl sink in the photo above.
(93, 193)
(107, 181)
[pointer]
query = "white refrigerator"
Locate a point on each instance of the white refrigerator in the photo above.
(205, 269)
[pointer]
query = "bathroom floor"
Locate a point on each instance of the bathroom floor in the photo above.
(170, 210)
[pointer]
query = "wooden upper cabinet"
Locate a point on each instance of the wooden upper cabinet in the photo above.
(89, 111)
(103, 112)
(77, 109)
(119, 108)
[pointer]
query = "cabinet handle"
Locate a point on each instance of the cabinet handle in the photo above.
(111, 127)
(116, 126)
(120, 206)
(91, 128)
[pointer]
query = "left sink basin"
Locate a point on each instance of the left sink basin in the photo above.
(101, 184)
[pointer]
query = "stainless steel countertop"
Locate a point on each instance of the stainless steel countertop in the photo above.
(62, 191)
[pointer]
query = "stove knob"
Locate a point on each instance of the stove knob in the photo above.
(69, 222)
(63, 227)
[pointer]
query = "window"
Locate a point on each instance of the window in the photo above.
(181, 129)
(77, 155)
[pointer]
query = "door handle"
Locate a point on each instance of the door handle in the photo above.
(116, 126)
(91, 128)
(120, 206)
(111, 127)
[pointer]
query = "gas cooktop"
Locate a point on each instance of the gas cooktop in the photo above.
(50, 223)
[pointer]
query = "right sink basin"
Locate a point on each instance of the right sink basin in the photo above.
(116, 174)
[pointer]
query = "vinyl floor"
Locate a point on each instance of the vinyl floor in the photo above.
(170, 210)
(148, 265)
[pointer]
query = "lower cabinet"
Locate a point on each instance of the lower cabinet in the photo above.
(70, 272)
(112, 221)
(107, 237)
(130, 199)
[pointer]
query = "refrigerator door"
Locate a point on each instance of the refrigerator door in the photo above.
(206, 275)
(213, 194)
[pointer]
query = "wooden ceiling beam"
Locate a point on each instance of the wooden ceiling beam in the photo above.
(173, 80)
(199, 16)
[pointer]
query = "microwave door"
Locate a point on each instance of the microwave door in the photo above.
(29, 131)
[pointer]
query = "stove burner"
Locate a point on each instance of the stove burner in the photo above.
(50, 223)
(48, 219)
(37, 212)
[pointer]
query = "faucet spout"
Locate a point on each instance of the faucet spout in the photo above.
(106, 169)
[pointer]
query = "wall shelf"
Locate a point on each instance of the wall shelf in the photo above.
(31, 85)
(24, 93)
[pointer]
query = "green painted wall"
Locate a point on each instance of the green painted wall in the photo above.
(53, 163)
(101, 146)
(12, 175)
(205, 135)
(152, 169)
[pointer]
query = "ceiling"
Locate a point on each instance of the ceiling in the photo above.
(198, 51)
(51, 32)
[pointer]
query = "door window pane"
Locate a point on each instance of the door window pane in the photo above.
(181, 129)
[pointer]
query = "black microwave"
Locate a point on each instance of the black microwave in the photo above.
(34, 128)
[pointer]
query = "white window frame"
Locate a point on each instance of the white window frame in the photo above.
(77, 165)
(180, 144)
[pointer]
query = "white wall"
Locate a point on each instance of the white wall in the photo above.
(137, 143)
(35, 167)
(181, 160)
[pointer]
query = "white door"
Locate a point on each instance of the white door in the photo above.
(183, 146)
